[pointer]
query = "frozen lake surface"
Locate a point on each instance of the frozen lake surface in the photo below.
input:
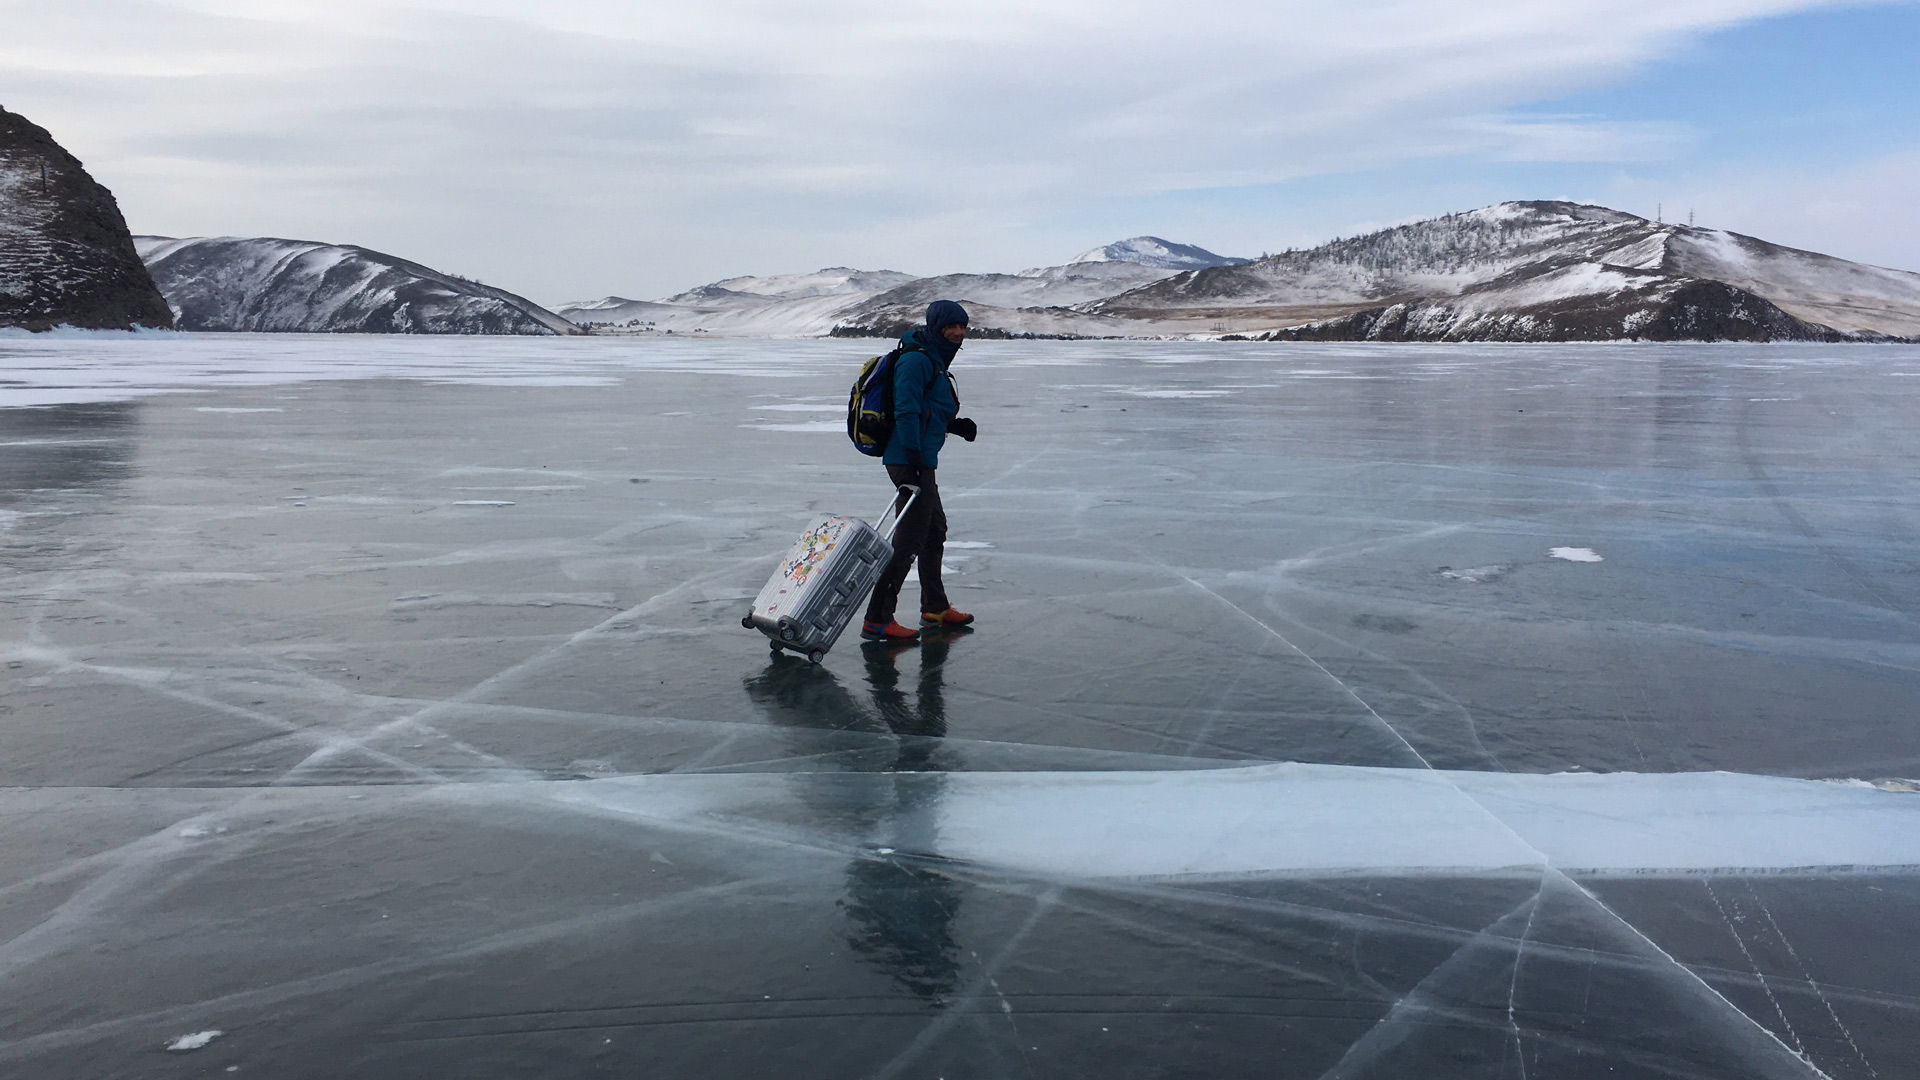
(379, 707)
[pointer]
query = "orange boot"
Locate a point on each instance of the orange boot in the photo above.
(891, 631)
(949, 617)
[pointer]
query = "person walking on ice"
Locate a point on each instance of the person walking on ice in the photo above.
(926, 409)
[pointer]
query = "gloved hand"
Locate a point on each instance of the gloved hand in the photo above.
(963, 427)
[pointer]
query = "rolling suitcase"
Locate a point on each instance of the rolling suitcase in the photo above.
(823, 578)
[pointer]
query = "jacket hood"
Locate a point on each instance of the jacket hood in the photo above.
(921, 339)
(944, 313)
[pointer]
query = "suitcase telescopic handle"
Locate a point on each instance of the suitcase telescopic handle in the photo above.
(898, 509)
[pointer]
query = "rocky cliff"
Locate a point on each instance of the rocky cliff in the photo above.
(66, 257)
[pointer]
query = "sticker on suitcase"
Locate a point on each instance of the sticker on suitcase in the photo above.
(807, 554)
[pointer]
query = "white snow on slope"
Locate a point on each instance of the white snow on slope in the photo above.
(812, 304)
(1567, 252)
(292, 286)
(1498, 260)
(24, 214)
(832, 281)
(805, 316)
(1845, 295)
(1153, 251)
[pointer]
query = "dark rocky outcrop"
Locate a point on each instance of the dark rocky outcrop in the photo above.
(1663, 310)
(66, 257)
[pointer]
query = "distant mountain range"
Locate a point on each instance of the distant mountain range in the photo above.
(853, 302)
(272, 285)
(1541, 271)
(1518, 271)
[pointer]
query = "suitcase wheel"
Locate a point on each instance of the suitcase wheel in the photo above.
(774, 645)
(746, 621)
(816, 656)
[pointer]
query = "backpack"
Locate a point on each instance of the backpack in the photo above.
(870, 406)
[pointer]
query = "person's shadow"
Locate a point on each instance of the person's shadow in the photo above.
(901, 905)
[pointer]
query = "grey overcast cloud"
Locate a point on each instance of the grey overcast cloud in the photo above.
(569, 150)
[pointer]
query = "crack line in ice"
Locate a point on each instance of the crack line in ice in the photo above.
(1714, 994)
(1188, 941)
(1418, 1007)
(501, 678)
(1798, 1046)
(1771, 1052)
(1513, 985)
(1006, 1009)
(1437, 691)
(1220, 698)
(1250, 756)
(332, 740)
(1764, 481)
(1303, 655)
(343, 978)
(957, 1009)
(1811, 984)
(130, 867)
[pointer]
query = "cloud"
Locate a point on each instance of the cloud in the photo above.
(573, 148)
(1573, 138)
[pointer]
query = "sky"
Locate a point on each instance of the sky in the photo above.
(581, 148)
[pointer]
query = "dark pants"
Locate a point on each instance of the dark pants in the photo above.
(922, 534)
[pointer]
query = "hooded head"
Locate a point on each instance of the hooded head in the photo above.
(940, 315)
(944, 313)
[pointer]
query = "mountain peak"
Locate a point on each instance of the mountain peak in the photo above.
(1153, 251)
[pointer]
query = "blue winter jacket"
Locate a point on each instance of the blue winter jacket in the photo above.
(923, 402)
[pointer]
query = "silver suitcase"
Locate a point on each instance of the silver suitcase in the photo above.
(824, 578)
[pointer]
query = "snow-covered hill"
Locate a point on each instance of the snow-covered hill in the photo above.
(1540, 271)
(272, 285)
(832, 281)
(1153, 251)
(867, 301)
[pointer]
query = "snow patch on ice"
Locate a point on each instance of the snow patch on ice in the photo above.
(481, 502)
(1574, 554)
(195, 1041)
